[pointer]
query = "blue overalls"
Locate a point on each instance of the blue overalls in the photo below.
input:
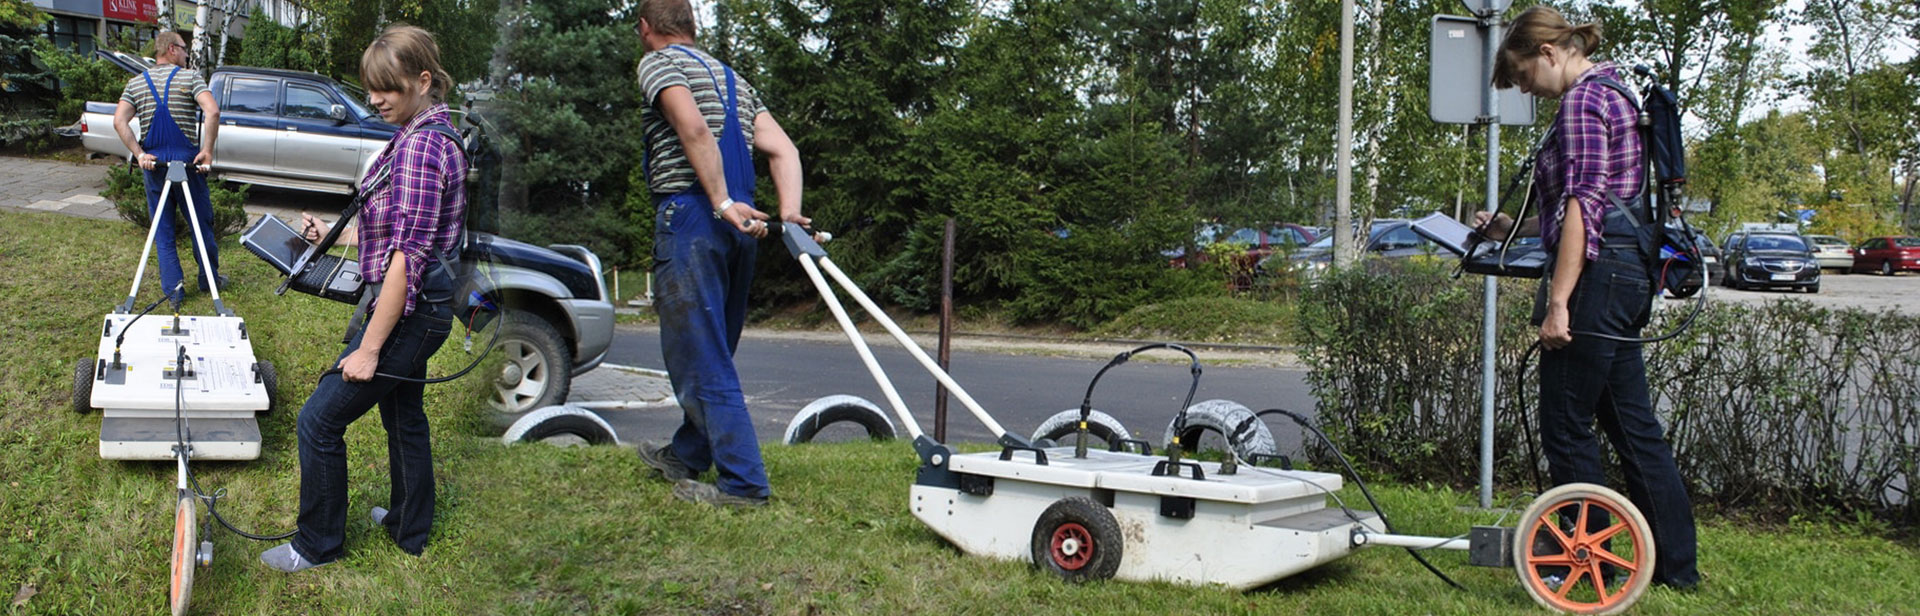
(166, 142)
(703, 266)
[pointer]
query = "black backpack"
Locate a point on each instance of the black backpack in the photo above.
(1672, 257)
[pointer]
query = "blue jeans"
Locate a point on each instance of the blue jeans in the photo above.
(337, 403)
(702, 268)
(163, 241)
(1605, 380)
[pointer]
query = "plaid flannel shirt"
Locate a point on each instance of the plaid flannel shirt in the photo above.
(1598, 149)
(420, 211)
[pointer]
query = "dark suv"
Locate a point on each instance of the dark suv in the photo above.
(1770, 259)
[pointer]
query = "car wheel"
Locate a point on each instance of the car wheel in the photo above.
(1886, 268)
(1813, 288)
(538, 370)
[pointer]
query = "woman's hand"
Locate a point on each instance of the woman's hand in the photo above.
(359, 366)
(1554, 331)
(314, 227)
(1494, 226)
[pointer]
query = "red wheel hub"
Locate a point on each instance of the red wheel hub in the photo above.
(1072, 546)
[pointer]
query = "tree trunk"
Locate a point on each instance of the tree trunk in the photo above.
(513, 186)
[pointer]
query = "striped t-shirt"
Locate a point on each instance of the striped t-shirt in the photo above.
(186, 85)
(668, 169)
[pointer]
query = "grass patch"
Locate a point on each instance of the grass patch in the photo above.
(539, 530)
(1208, 319)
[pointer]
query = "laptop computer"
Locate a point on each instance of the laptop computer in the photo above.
(325, 275)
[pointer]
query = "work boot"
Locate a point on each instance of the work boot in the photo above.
(221, 278)
(699, 492)
(659, 455)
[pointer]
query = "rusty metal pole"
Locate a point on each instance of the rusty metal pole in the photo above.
(946, 333)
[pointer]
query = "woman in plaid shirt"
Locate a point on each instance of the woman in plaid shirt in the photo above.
(411, 220)
(1589, 178)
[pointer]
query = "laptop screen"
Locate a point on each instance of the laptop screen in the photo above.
(275, 242)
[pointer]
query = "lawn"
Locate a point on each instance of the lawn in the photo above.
(541, 530)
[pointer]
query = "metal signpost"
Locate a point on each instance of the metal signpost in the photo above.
(1460, 91)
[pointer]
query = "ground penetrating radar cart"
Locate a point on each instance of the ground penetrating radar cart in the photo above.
(1129, 514)
(176, 388)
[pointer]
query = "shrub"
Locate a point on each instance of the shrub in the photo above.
(82, 79)
(1773, 410)
(1206, 319)
(1393, 353)
(127, 189)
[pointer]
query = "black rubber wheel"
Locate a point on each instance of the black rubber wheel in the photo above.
(1886, 268)
(1683, 292)
(1078, 540)
(83, 385)
(1813, 288)
(876, 424)
(569, 425)
(270, 379)
(1232, 420)
(539, 365)
(1061, 427)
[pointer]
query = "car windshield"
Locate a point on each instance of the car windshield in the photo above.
(1828, 240)
(1250, 237)
(1907, 242)
(1785, 243)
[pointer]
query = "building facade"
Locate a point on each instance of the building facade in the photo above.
(82, 26)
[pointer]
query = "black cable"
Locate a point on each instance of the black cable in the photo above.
(1363, 489)
(184, 446)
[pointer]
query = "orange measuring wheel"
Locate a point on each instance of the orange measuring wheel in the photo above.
(1584, 549)
(186, 546)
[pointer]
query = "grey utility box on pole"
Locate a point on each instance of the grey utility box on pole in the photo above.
(1457, 80)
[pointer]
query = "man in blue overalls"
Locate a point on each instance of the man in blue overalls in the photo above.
(705, 229)
(164, 98)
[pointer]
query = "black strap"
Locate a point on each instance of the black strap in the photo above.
(1640, 125)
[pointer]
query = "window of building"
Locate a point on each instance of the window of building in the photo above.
(73, 34)
(134, 38)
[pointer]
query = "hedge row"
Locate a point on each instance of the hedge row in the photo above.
(1773, 410)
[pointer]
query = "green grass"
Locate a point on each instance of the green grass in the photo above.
(1234, 320)
(541, 530)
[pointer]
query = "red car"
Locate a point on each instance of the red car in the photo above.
(1887, 255)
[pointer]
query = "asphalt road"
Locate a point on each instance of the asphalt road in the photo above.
(783, 373)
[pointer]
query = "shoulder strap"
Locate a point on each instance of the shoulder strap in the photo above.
(449, 132)
(1641, 125)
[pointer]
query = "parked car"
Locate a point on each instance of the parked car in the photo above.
(301, 130)
(1392, 238)
(1259, 242)
(280, 128)
(1832, 252)
(1887, 255)
(1769, 259)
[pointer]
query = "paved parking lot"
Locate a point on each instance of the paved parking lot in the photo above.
(1874, 292)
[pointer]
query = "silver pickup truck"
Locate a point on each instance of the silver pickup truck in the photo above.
(303, 131)
(286, 129)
